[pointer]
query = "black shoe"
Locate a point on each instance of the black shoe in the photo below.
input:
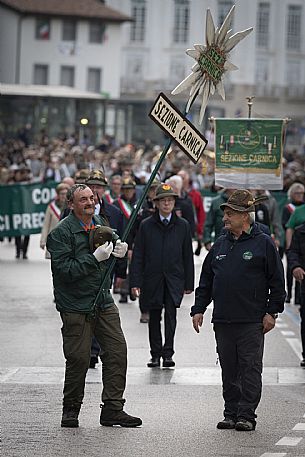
(302, 363)
(144, 319)
(132, 296)
(70, 416)
(198, 249)
(18, 255)
(242, 425)
(109, 418)
(123, 299)
(226, 423)
(93, 361)
(154, 362)
(25, 257)
(168, 362)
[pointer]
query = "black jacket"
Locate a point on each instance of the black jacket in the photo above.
(296, 252)
(116, 221)
(244, 278)
(162, 256)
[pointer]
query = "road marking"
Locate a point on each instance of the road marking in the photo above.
(281, 325)
(274, 454)
(299, 426)
(288, 441)
(287, 333)
(145, 376)
(296, 346)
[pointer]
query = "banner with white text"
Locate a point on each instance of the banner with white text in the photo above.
(23, 206)
(248, 153)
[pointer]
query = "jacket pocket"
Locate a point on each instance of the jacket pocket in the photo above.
(73, 324)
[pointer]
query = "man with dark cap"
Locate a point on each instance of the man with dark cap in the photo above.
(243, 275)
(97, 182)
(162, 271)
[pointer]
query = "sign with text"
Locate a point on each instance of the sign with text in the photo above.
(249, 153)
(178, 127)
(23, 207)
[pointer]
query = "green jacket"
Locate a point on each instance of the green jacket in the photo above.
(77, 275)
(213, 222)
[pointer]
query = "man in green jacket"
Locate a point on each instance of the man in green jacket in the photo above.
(214, 222)
(86, 311)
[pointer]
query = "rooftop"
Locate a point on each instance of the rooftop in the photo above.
(32, 90)
(86, 9)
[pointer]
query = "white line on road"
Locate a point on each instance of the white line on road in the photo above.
(288, 441)
(296, 346)
(281, 325)
(287, 333)
(299, 426)
(274, 454)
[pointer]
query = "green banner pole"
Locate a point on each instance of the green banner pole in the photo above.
(134, 214)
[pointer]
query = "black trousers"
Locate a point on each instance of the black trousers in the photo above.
(302, 315)
(22, 244)
(240, 348)
(157, 348)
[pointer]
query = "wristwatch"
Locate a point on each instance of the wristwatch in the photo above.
(275, 315)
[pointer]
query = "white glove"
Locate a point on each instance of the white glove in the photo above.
(103, 252)
(120, 249)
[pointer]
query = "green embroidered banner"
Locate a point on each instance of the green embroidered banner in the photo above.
(23, 206)
(249, 153)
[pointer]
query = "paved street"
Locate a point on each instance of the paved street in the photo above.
(179, 407)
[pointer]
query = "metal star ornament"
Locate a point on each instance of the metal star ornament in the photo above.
(212, 62)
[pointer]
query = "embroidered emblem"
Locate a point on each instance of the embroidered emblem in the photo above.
(247, 255)
(220, 256)
(166, 187)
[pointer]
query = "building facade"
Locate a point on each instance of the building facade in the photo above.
(127, 51)
(271, 60)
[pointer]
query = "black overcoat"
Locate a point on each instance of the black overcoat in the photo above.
(162, 256)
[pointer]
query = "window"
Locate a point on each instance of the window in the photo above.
(68, 30)
(224, 7)
(262, 70)
(293, 73)
(138, 12)
(262, 28)
(177, 69)
(294, 27)
(135, 67)
(67, 76)
(96, 31)
(43, 29)
(94, 80)
(41, 74)
(181, 21)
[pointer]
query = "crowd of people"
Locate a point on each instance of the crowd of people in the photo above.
(99, 186)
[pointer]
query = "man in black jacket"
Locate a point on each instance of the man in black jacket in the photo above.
(243, 275)
(162, 271)
(296, 264)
